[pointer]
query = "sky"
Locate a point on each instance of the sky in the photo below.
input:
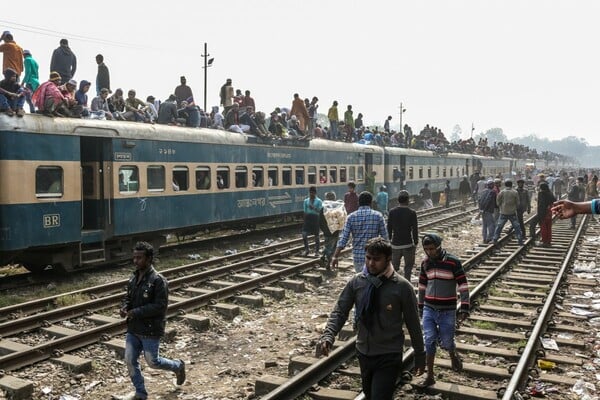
(526, 66)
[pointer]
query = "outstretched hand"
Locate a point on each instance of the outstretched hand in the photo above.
(563, 209)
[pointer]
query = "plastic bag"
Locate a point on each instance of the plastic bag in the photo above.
(335, 214)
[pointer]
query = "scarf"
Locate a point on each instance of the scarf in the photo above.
(366, 309)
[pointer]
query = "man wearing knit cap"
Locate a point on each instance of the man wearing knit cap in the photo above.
(12, 95)
(48, 98)
(12, 54)
(442, 274)
(31, 80)
(64, 61)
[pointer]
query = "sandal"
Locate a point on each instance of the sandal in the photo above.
(457, 364)
(428, 381)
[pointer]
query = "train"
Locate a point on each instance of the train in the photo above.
(77, 193)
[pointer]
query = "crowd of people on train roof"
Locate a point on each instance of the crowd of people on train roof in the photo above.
(63, 96)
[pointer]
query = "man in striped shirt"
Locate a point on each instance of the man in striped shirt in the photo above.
(441, 276)
(363, 224)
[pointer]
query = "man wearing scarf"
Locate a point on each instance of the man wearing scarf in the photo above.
(384, 301)
(441, 276)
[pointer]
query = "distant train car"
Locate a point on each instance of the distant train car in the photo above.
(80, 192)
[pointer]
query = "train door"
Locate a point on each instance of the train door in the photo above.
(95, 162)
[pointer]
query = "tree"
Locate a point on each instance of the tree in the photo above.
(495, 135)
(456, 133)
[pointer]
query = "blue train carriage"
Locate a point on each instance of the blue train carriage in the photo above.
(410, 169)
(93, 188)
(495, 167)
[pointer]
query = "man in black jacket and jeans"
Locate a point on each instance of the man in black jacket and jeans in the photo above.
(403, 230)
(145, 307)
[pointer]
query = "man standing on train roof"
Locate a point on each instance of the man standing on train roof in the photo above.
(183, 91)
(64, 61)
(363, 224)
(312, 209)
(351, 198)
(145, 307)
(332, 115)
(301, 113)
(12, 54)
(103, 76)
(382, 299)
(226, 96)
(31, 80)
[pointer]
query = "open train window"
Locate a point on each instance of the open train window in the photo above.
(48, 181)
(420, 172)
(343, 176)
(222, 177)
(241, 177)
(361, 174)
(411, 173)
(429, 172)
(353, 174)
(312, 175)
(129, 181)
(452, 171)
(286, 176)
(332, 175)
(202, 178)
(323, 175)
(156, 178)
(437, 172)
(299, 175)
(443, 172)
(181, 178)
(273, 176)
(258, 177)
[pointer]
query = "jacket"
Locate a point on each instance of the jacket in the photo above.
(31, 73)
(508, 201)
(64, 62)
(402, 227)
(396, 304)
(524, 200)
(148, 301)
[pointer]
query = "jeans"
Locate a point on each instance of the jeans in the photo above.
(134, 346)
(379, 374)
(488, 225)
(333, 130)
(513, 221)
(409, 260)
(438, 327)
(11, 102)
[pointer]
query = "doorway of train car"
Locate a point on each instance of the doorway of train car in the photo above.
(95, 156)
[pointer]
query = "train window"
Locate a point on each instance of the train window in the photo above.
(437, 172)
(258, 177)
(299, 175)
(322, 174)
(202, 178)
(273, 176)
(361, 174)
(129, 179)
(48, 182)
(286, 176)
(241, 177)
(411, 173)
(343, 174)
(181, 178)
(451, 171)
(443, 172)
(156, 178)
(88, 180)
(429, 172)
(352, 174)
(420, 172)
(312, 175)
(222, 177)
(332, 175)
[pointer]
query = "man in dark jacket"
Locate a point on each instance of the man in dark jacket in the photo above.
(145, 307)
(403, 229)
(464, 191)
(576, 194)
(524, 204)
(64, 61)
(487, 204)
(384, 302)
(103, 76)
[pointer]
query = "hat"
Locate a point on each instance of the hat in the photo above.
(432, 238)
(72, 82)
(520, 180)
(9, 72)
(5, 33)
(26, 52)
(104, 90)
(489, 182)
(55, 76)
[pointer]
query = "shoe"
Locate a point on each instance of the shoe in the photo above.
(180, 374)
(305, 254)
(20, 112)
(10, 112)
(457, 364)
(131, 396)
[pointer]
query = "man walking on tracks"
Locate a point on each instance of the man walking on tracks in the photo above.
(508, 201)
(145, 307)
(363, 224)
(403, 229)
(441, 275)
(384, 301)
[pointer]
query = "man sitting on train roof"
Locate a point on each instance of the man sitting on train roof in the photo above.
(12, 95)
(116, 104)
(82, 98)
(68, 91)
(135, 108)
(99, 108)
(167, 112)
(232, 120)
(48, 99)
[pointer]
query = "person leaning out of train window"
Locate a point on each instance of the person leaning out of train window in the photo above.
(384, 302)
(175, 185)
(12, 95)
(220, 182)
(322, 178)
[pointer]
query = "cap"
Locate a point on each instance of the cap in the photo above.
(26, 52)
(490, 182)
(55, 76)
(5, 33)
(72, 82)
(104, 90)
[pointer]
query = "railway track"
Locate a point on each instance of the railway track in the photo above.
(194, 286)
(520, 304)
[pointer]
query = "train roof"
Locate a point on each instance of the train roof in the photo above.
(40, 124)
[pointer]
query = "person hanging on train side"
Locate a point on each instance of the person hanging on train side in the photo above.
(382, 298)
